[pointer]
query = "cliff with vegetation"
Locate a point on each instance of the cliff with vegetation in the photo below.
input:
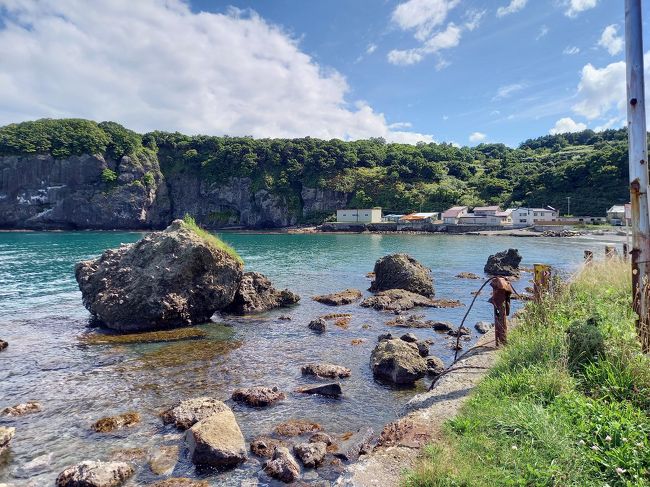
(80, 174)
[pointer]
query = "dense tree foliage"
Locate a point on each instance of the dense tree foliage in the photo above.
(588, 166)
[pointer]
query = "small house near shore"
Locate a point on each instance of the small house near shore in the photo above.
(420, 218)
(532, 216)
(453, 215)
(368, 215)
(620, 215)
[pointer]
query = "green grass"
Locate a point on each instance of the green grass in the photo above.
(566, 404)
(211, 239)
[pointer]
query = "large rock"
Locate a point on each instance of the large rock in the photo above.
(504, 263)
(256, 294)
(119, 421)
(95, 474)
(188, 412)
(169, 278)
(396, 300)
(401, 271)
(258, 396)
(282, 466)
(347, 296)
(329, 371)
(29, 407)
(217, 441)
(398, 362)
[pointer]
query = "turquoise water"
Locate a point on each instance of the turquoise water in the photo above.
(48, 361)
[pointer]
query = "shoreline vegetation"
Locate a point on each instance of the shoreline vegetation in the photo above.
(566, 403)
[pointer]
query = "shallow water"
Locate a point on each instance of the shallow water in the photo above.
(77, 383)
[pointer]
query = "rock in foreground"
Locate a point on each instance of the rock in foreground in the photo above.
(256, 294)
(6, 434)
(398, 362)
(348, 296)
(22, 409)
(187, 413)
(401, 271)
(258, 396)
(217, 441)
(171, 278)
(311, 454)
(95, 474)
(111, 423)
(504, 263)
(282, 466)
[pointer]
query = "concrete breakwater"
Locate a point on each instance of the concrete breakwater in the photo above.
(400, 227)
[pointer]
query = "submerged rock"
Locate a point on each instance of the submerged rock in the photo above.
(258, 396)
(397, 361)
(180, 482)
(409, 337)
(311, 454)
(462, 331)
(321, 437)
(329, 371)
(171, 278)
(256, 294)
(319, 325)
(483, 326)
(3, 345)
(264, 446)
(348, 296)
(504, 263)
(442, 326)
(396, 300)
(282, 466)
(163, 460)
(6, 434)
(296, 427)
(467, 275)
(333, 389)
(95, 474)
(217, 441)
(435, 366)
(111, 423)
(188, 412)
(401, 271)
(191, 333)
(356, 444)
(29, 407)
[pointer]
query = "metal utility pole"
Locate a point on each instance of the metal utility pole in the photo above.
(568, 206)
(638, 160)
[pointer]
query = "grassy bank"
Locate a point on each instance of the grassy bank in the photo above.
(567, 403)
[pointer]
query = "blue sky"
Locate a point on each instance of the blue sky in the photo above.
(462, 71)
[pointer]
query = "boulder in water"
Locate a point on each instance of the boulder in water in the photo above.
(401, 271)
(296, 427)
(256, 294)
(264, 446)
(348, 296)
(187, 413)
(396, 300)
(119, 421)
(435, 366)
(3, 345)
(483, 326)
(311, 454)
(329, 371)
(6, 434)
(504, 263)
(319, 325)
(171, 278)
(95, 474)
(282, 466)
(333, 390)
(398, 362)
(217, 441)
(258, 396)
(29, 407)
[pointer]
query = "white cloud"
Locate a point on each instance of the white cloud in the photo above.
(567, 124)
(473, 19)
(614, 122)
(507, 91)
(514, 6)
(601, 90)
(574, 7)
(571, 50)
(610, 40)
(422, 16)
(154, 64)
(448, 38)
(543, 30)
(371, 48)
(476, 137)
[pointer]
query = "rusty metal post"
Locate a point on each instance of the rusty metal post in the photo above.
(501, 292)
(610, 252)
(541, 280)
(589, 257)
(626, 251)
(638, 162)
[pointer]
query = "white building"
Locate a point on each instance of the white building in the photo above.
(532, 216)
(369, 215)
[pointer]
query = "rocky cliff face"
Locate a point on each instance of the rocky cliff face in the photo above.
(41, 192)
